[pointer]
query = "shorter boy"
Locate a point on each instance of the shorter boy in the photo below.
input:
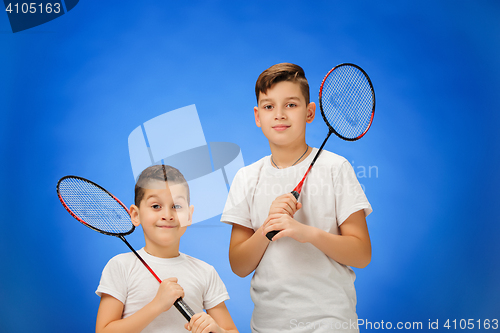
(131, 298)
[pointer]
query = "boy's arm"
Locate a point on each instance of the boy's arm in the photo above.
(216, 320)
(109, 315)
(246, 249)
(351, 248)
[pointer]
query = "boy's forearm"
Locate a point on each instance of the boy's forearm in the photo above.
(345, 249)
(135, 323)
(230, 331)
(245, 255)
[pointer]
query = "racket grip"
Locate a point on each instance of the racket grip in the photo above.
(184, 309)
(273, 233)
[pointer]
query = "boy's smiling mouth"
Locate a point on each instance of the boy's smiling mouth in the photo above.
(165, 226)
(280, 127)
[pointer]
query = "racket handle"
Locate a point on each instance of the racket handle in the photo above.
(184, 309)
(273, 233)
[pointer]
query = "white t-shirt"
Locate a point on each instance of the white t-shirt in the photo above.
(129, 281)
(296, 287)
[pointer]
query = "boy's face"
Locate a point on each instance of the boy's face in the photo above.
(164, 214)
(282, 113)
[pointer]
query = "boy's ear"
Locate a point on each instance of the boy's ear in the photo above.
(191, 210)
(256, 114)
(311, 112)
(134, 215)
(189, 219)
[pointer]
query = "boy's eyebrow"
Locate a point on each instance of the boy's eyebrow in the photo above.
(265, 100)
(286, 98)
(180, 196)
(155, 196)
(149, 196)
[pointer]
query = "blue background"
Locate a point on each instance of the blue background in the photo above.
(73, 89)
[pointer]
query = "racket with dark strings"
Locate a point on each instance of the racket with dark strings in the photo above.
(347, 104)
(101, 211)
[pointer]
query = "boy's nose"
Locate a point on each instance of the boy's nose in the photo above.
(168, 214)
(280, 113)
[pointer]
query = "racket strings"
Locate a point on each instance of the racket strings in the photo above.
(95, 206)
(347, 101)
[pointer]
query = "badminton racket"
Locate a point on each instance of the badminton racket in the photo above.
(101, 211)
(347, 104)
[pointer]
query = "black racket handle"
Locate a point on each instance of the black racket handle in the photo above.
(273, 233)
(184, 309)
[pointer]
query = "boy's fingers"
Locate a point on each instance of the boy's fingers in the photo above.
(288, 195)
(264, 225)
(194, 318)
(282, 210)
(272, 224)
(278, 235)
(197, 322)
(292, 198)
(271, 217)
(269, 221)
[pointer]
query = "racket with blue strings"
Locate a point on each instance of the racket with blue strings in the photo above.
(101, 211)
(347, 104)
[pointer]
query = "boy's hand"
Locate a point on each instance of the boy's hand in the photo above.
(285, 204)
(168, 292)
(203, 323)
(289, 228)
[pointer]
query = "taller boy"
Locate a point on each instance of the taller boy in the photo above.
(302, 282)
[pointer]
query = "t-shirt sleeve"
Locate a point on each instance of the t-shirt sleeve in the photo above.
(349, 196)
(215, 292)
(237, 208)
(113, 281)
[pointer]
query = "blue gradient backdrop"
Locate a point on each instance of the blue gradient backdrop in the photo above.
(73, 89)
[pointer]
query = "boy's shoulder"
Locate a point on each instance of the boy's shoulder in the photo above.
(123, 259)
(329, 158)
(255, 166)
(197, 262)
(203, 270)
(252, 170)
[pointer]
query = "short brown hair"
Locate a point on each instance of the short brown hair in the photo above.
(282, 72)
(158, 173)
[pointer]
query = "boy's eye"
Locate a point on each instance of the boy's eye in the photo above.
(177, 206)
(291, 105)
(268, 107)
(155, 206)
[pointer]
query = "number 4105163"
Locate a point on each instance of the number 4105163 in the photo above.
(471, 324)
(33, 8)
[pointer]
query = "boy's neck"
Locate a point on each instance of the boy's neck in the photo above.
(161, 252)
(284, 157)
